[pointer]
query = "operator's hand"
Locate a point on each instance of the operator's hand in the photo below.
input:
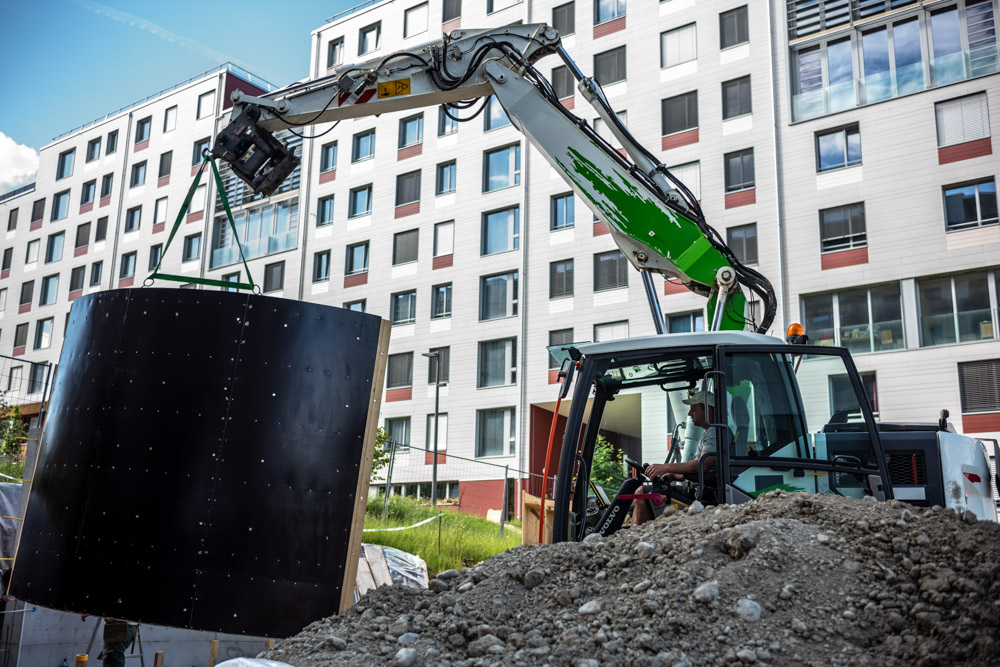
(657, 470)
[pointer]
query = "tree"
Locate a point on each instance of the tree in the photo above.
(607, 468)
(381, 459)
(12, 430)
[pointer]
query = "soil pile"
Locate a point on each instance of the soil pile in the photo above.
(788, 579)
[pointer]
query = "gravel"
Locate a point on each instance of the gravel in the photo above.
(788, 579)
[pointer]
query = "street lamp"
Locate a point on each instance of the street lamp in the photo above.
(436, 356)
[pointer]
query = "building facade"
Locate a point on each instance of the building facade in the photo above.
(843, 148)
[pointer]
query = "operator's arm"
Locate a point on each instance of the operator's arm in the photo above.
(657, 470)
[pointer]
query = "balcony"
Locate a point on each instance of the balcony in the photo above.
(259, 247)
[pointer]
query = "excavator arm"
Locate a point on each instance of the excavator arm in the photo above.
(653, 218)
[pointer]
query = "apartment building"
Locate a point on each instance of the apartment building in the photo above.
(843, 148)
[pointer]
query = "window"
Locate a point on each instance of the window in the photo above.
(335, 52)
(558, 337)
(160, 211)
(324, 211)
(328, 157)
(399, 372)
(497, 5)
(610, 331)
(360, 201)
(442, 362)
(198, 149)
(3, 299)
(564, 19)
(843, 228)
(736, 98)
(60, 205)
(206, 104)
(27, 292)
(12, 220)
(363, 146)
(970, 205)
(64, 168)
(444, 181)
(96, 269)
(274, 277)
(686, 322)
(608, 10)
(198, 200)
(47, 294)
(444, 238)
(823, 79)
(690, 175)
(733, 27)
(442, 440)
(76, 278)
(112, 146)
(962, 120)
(403, 307)
(561, 279)
(495, 116)
(133, 217)
(142, 129)
(498, 296)
(502, 168)
(739, 170)
(979, 386)
(192, 248)
(38, 210)
(43, 334)
(408, 188)
(127, 269)
(356, 306)
(369, 37)
(956, 308)
(165, 160)
(101, 232)
(446, 124)
(610, 270)
(496, 432)
(170, 119)
(609, 67)
(321, 266)
(743, 241)
(93, 149)
(561, 215)
(562, 82)
(138, 175)
(31, 251)
(501, 231)
(679, 113)
(452, 10)
(155, 253)
(497, 363)
(836, 149)
(415, 20)
(404, 247)
(605, 132)
(82, 235)
(411, 131)
(87, 193)
(54, 247)
(8, 258)
(399, 431)
(441, 301)
(106, 183)
(20, 339)
(867, 319)
(678, 46)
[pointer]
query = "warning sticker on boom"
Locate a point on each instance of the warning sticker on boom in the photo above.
(394, 88)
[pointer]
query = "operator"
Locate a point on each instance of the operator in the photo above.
(701, 413)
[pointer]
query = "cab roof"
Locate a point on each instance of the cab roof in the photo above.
(666, 341)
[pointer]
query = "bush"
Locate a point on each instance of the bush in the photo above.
(607, 468)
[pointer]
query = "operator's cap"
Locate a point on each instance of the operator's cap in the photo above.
(696, 397)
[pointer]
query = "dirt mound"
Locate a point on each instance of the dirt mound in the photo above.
(788, 579)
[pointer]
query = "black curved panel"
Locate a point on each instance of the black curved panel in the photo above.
(200, 461)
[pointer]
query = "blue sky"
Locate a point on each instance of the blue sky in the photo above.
(64, 63)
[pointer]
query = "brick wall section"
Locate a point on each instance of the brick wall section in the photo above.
(407, 209)
(743, 198)
(609, 27)
(442, 262)
(569, 103)
(196, 216)
(541, 422)
(409, 151)
(429, 458)
(670, 287)
(477, 497)
(86, 208)
(966, 151)
(981, 423)
(679, 139)
(402, 394)
(835, 260)
(600, 229)
(356, 279)
(328, 176)
(453, 24)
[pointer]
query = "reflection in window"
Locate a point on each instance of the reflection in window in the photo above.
(862, 320)
(956, 309)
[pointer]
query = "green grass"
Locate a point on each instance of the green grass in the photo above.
(13, 469)
(465, 540)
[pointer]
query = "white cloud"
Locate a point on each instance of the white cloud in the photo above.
(18, 164)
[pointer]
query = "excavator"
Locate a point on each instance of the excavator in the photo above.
(786, 415)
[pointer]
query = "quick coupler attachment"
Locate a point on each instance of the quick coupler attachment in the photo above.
(253, 153)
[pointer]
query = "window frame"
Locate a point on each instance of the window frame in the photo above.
(192, 248)
(623, 271)
(403, 237)
(740, 246)
(509, 347)
(854, 239)
(980, 220)
(565, 283)
(833, 336)
(568, 218)
(689, 101)
(743, 185)
(445, 312)
(392, 360)
(512, 236)
(321, 266)
(404, 128)
(735, 12)
(352, 211)
(571, 15)
(403, 319)
(849, 130)
(441, 188)
(143, 129)
(511, 279)
(356, 155)
(727, 112)
(326, 162)
(624, 64)
(513, 174)
(270, 270)
(332, 47)
(664, 46)
(364, 34)
(408, 180)
(619, 10)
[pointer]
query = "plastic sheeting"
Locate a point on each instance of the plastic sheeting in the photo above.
(10, 502)
(252, 662)
(405, 568)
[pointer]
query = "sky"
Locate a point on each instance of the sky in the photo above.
(64, 63)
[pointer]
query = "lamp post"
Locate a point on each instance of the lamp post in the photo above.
(436, 356)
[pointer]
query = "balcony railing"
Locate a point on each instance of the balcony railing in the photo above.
(260, 247)
(897, 82)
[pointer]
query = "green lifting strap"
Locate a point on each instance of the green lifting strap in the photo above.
(177, 223)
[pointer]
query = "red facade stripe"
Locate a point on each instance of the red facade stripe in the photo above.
(679, 139)
(743, 198)
(609, 27)
(403, 394)
(356, 279)
(981, 423)
(966, 151)
(835, 260)
(442, 262)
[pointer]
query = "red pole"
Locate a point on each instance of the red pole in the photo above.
(545, 470)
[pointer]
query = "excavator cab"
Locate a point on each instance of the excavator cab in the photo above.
(789, 417)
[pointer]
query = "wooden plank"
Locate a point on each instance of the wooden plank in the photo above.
(364, 474)
(365, 580)
(214, 651)
(376, 561)
(269, 644)
(158, 659)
